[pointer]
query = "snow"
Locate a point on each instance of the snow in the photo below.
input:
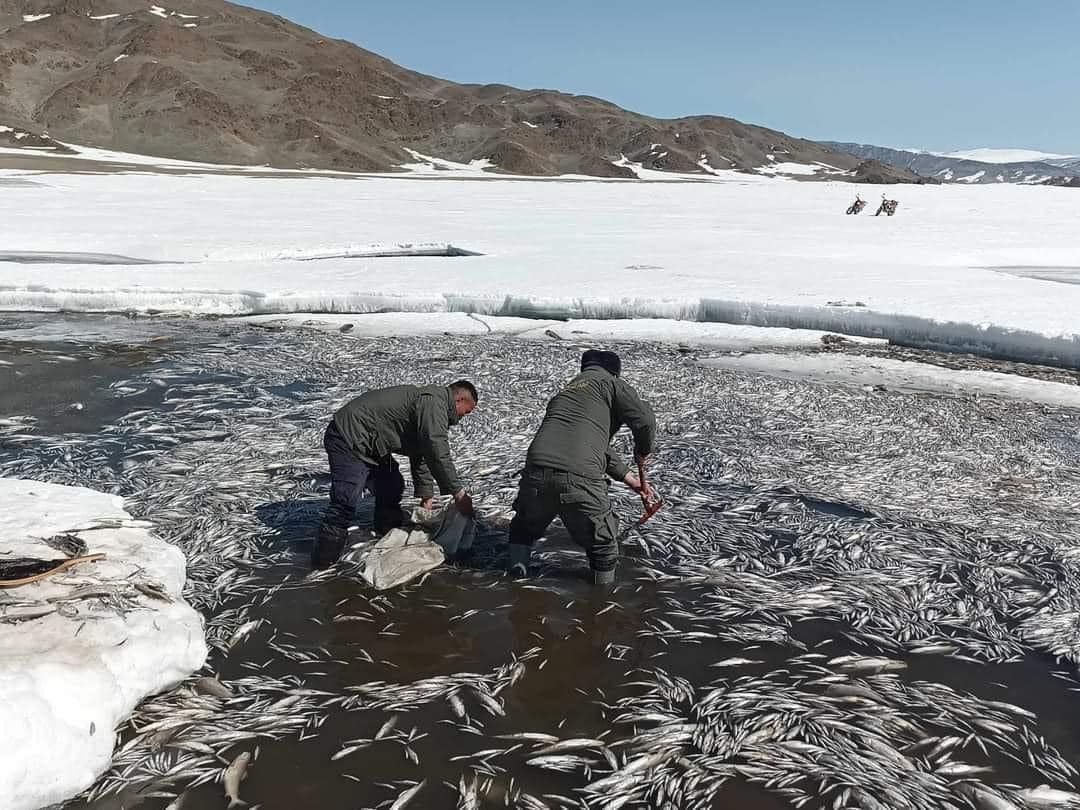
(159, 11)
(102, 16)
(1003, 155)
(6, 129)
(377, 324)
(531, 125)
(789, 168)
(971, 178)
(68, 682)
(425, 164)
(191, 25)
(902, 375)
(121, 56)
(755, 251)
(35, 17)
(687, 177)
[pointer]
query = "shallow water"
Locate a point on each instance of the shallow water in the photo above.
(770, 493)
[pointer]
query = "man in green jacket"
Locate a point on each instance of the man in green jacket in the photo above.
(361, 441)
(570, 459)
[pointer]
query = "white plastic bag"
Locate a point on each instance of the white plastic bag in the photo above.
(400, 557)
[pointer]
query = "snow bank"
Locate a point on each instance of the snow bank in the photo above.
(903, 375)
(381, 324)
(70, 677)
(758, 252)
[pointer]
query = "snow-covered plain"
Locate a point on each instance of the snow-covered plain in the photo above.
(68, 678)
(743, 249)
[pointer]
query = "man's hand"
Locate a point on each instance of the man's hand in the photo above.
(464, 502)
(632, 481)
(427, 503)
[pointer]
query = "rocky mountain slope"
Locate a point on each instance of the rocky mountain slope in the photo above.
(211, 81)
(964, 170)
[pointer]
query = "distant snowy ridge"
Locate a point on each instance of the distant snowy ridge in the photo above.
(67, 683)
(981, 166)
(1004, 155)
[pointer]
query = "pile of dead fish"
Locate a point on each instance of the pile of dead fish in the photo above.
(820, 547)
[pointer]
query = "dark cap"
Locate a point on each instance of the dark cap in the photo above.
(609, 361)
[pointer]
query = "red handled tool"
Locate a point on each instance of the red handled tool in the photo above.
(651, 504)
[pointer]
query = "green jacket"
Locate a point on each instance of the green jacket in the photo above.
(408, 420)
(581, 421)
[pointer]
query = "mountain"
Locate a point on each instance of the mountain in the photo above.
(960, 168)
(212, 81)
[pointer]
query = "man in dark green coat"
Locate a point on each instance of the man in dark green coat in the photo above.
(361, 441)
(570, 460)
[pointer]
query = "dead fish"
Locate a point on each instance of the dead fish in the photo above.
(243, 631)
(735, 662)
(570, 745)
(386, 727)
(407, 796)
(1045, 797)
(68, 544)
(468, 794)
(234, 775)
(214, 687)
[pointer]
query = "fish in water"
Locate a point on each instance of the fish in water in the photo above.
(234, 775)
(885, 561)
(214, 687)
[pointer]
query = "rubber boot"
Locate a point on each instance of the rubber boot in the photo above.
(519, 560)
(329, 543)
(387, 518)
(603, 577)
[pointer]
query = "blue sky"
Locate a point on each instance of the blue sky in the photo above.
(952, 74)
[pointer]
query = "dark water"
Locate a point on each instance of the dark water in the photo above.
(585, 647)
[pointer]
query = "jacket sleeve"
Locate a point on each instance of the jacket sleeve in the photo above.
(423, 483)
(634, 412)
(432, 424)
(616, 467)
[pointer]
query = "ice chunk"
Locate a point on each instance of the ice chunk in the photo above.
(68, 682)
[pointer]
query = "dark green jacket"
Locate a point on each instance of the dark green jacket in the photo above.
(581, 420)
(408, 420)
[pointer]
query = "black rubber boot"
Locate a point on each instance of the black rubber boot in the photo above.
(518, 566)
(387, 518)
(603, 577)
(329, 543)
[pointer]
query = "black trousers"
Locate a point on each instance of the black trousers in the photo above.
(351, 478)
